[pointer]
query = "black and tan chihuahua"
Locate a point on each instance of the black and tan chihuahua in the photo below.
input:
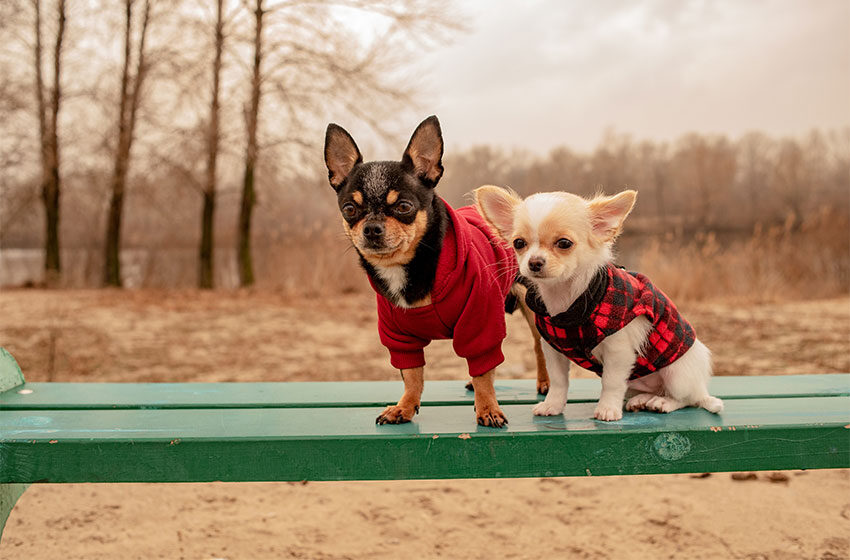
(439, 272)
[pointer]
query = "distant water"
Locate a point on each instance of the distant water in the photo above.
(275, 267)
(83, 268)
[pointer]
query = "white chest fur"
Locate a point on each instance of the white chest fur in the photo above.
(395, 277)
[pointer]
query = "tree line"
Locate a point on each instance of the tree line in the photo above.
(208, 89)
(199, 124)
(698, 182)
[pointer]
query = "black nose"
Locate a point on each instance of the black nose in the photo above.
(536, 264)
(373, 230)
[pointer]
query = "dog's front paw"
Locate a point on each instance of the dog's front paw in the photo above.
(547, 408)
(608, 413)
(542, 387)
(396, 414)
(491, 416)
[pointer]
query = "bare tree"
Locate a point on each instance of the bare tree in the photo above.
(130, 95)
(206, 263)
(246, 267)
(312, 64)
(47, 106)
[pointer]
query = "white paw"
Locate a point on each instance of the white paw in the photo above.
(712, 404)
(547, 408)
(608, 413)
(638, 402)
(663, 404)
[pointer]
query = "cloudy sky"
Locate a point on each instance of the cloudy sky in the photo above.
(540, 74)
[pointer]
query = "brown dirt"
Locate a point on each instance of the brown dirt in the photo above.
(189, 336)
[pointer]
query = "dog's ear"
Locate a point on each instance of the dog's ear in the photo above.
(497, 206)
(341, 154)
(424, 153)
(607, 214)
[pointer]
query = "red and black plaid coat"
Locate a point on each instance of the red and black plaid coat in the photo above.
(614, 298)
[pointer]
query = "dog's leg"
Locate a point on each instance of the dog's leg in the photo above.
(408, 405)
(543, 382)
(615, 375)
(487, 410)
(618, 353)
(556, 399)
(686, 383)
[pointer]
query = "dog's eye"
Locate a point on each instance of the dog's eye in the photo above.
(519, 243)
(349, 210)
(563, 243)
(404, 207)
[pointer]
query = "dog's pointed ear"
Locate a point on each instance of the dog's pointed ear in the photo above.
(607, 214)
(424, 153)
(341, 154)
(497, 206)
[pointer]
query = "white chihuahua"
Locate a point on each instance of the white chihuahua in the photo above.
(591, 312)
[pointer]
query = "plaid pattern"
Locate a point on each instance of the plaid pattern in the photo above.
(628, 295)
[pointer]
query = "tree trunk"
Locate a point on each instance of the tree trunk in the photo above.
(206, 280)
(246, 269)
(661, 194)
(49, 141)
(128, 107)
(206, 273)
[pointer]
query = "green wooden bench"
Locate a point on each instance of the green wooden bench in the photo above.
(198, 432)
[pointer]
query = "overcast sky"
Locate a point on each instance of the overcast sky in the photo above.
(540, 74)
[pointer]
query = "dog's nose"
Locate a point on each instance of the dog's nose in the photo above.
(373, 230)
(535, 264)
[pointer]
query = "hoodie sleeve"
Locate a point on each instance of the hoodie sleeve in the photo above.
(406, 350)
(480, 328)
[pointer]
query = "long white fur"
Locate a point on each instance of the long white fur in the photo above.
(682, 383)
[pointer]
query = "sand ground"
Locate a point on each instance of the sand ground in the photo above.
(188, 336)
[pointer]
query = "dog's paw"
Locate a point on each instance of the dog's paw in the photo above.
(638, 402)
(546, 408)
(711, 404)
(469, 386)
(491, 416)
(608, 413)
(663, 404)
(395, 414)
(542, 387)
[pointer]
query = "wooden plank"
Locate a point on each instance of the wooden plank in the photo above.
(443, 442)
(9, 494)
(10, 371)
(364, 393)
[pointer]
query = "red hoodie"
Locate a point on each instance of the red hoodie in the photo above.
(474, 274)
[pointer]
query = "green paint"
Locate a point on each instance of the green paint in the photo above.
(56, 396)
(196, 432)
(9, 494)
(672, 446)
(299, 444)
(10, 372)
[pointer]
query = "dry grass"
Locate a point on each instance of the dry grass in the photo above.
(797, 260)
(794, 261)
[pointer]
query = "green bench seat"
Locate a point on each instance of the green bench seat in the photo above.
(197, 432)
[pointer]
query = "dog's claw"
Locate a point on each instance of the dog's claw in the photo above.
(492, 420)
(395, 414)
